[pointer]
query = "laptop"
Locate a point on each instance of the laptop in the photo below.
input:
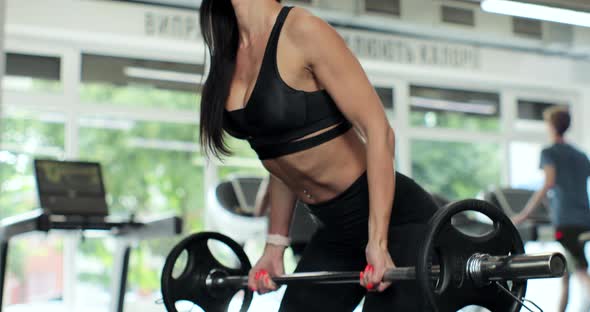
(71, 188)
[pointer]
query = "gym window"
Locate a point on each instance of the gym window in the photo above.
(456, 170)
(432, 107)
(139, 82)
(386, 96)
(28, 72)
(163, 153)
(390, 7)
(533, 110)
(530, 114)
(524, 165)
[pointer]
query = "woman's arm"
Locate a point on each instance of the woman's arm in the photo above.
(282, 202)
(539, 195)
(338, 70)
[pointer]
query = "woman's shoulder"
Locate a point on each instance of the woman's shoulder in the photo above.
(305, 30)
(302, 24)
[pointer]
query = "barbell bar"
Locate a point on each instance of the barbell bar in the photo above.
(481, 268)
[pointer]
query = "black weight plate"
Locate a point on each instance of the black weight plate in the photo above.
(452, 249)
(191, 285)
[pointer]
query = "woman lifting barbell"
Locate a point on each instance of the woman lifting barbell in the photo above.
(285, 81)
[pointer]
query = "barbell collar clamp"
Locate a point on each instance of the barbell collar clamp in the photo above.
(484, 269)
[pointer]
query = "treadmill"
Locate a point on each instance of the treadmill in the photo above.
(72, 198)
(512, 201)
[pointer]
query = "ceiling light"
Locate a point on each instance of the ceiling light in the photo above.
(536, 11)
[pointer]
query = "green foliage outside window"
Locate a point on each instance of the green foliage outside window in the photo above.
(142, 170)
(28, 84)
(149, 169)
(239, 148)
(24, 137)
(242, 162)
(456, 170)
(138, 95)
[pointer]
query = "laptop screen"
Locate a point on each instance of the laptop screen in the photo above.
(70, 188)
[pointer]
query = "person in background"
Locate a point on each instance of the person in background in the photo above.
(566, 175)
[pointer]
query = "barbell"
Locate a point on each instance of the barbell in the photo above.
(453, 269)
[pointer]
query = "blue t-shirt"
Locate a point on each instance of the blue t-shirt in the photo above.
(569, 196)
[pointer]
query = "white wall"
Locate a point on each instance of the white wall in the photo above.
(497, 66)
(119, 27)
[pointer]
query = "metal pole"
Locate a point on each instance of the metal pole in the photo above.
(119, 281)
(3, 263)
(70, 277)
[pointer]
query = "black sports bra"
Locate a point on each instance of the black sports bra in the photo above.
(276, 115)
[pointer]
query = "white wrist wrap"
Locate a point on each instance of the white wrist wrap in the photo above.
(278, 240)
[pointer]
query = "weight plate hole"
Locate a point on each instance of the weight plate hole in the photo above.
(473, 223)
(224, 254)
(180, 265)
(236, 302)
(187, 306)
(474, 308)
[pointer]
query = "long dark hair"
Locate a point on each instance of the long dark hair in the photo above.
(219, 28)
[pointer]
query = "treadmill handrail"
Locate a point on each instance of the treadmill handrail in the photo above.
(31, 221)
(38, 220)
(504, 205)
(21, 217)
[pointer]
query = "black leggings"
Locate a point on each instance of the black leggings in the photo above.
(339, 245)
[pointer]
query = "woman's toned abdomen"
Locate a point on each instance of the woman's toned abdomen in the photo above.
(321, 173)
